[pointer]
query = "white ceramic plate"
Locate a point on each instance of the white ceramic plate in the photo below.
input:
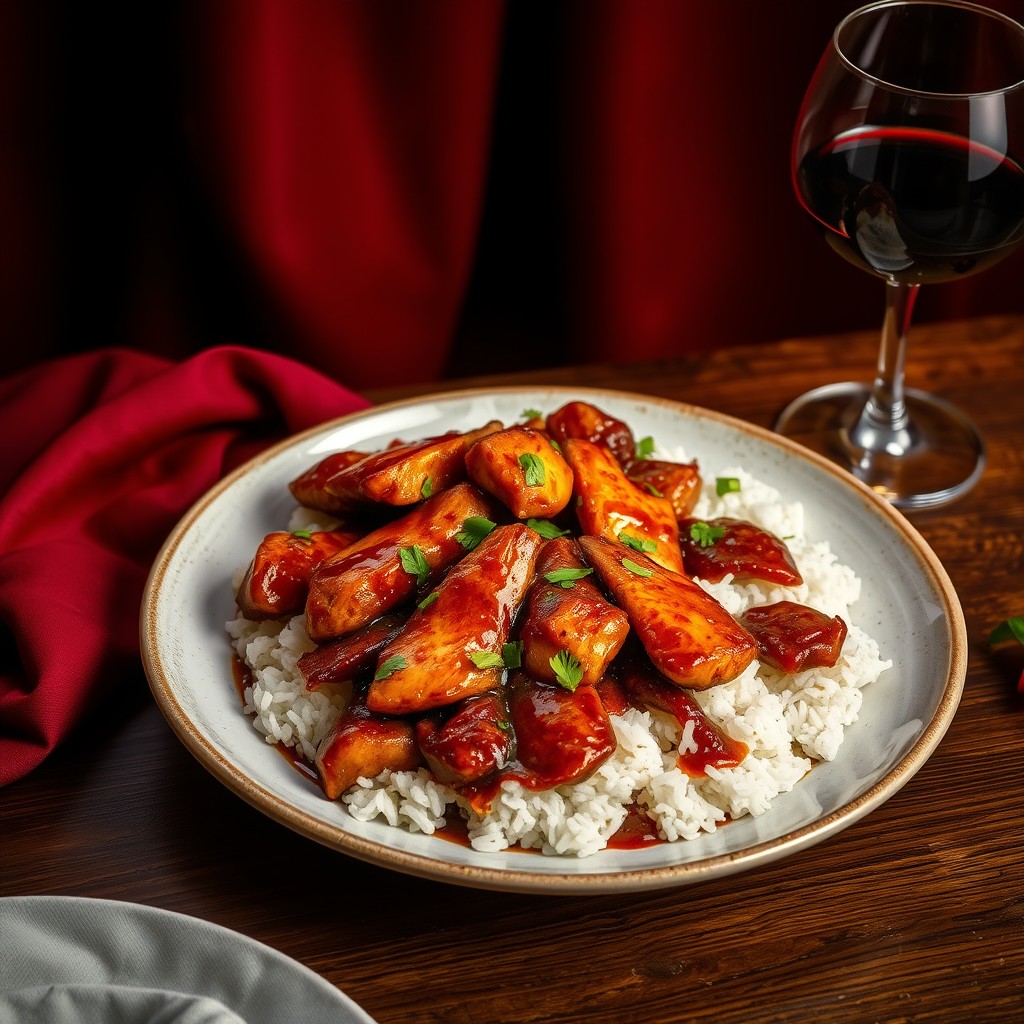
(908, 605)
(73, 959)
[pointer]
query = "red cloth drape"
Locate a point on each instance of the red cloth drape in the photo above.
(103, 453)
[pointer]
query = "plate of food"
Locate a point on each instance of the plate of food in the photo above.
(553, 639)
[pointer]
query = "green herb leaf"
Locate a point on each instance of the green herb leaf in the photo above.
(556, 446)
(414, 562)
(305, 535)
(653, 490)
(533, 469)
(512, 654)
(531, 414)
(637, 543)
(1011, 629)
(705, 534)
(546, 528)
(639, 570)
(565, 578)
(645, 447)
(427, 488)
(568, 670)
(390, 666)
(726, 485)
(428, 600)
(486, 659)
(474, 529)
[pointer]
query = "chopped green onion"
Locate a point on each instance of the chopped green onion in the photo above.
(645, 447)
(427, 489)
(705, 534)
(637, 543)
(428, 600)
(726, 485)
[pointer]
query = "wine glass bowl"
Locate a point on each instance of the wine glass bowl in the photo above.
(907, 157)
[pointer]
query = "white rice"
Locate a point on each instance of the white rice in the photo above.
(789, 722)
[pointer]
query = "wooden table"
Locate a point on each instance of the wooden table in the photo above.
(915, 913)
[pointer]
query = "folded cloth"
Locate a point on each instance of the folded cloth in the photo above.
(102, 453)
(68, 959)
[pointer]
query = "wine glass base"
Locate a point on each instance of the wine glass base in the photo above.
(943, 458)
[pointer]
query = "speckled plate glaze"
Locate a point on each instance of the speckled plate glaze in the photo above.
(908, 605)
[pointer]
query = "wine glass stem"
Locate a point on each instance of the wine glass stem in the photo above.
(883, 425)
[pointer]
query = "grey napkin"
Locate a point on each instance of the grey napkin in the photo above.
(77, 960)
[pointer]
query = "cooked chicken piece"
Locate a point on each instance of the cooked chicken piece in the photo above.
(362, 745)
(792, 637)
(688, 635)
(431, 662)
(398, 475)
(588, 423)
(277, 580)
(562, 736)
(368, 578)
(308, 488)
(714, 549)
(707, 746)
(611, 505)
(679, 482)
(471, 745)
(567, 614)
(341, 660)
(523, 470)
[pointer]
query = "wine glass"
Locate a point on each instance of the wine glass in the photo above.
(907, 155)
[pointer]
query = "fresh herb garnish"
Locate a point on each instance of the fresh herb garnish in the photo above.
(427, 487)
(639, 570)
(565, 578)
(474, 529)
(486, 659)
(389, 666)
(705, 534)
(428, 600)
(533, 469)
(637, 543)
(305, 535)
(568, 670)
(546, 528)
(645, 447)
(531, 414)
(414, 562)
(1010, 629)
(653, 490)
(726, 485)
(512, 654)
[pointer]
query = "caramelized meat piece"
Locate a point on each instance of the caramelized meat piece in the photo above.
(722, 546)
(792, 637)
(399, 475)
(367, 579)
(523, 470)
(308, 488)
(472, 744)
(708, 745)
(679, 482)
(362, 745)
(277, 580)
(576, 618)
(588, 423)
(611, 505)
(337, 661)
(430, 663)
(688, 635)
(562, 736)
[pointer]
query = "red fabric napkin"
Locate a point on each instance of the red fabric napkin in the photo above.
(101, 455)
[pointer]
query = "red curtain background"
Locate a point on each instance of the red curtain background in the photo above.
(405, 191)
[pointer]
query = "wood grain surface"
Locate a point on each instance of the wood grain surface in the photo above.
(913, 914)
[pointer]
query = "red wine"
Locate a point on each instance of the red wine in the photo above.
(914, 205)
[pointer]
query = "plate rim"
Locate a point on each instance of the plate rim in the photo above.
(515, 880)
